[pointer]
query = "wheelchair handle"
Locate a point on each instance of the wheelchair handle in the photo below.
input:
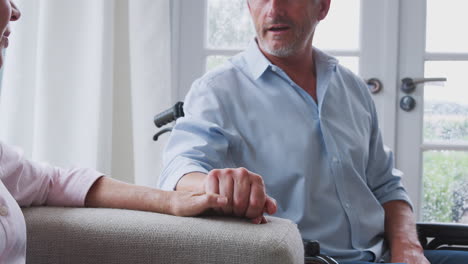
(169, 115)
(312, 254)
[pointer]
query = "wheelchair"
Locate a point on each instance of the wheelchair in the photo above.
(432, 236)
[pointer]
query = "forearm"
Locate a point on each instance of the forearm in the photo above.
(192, 182)
(110, 193)
(400, 226)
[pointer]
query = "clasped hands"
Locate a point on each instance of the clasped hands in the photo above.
(237, 192)
(245, 193)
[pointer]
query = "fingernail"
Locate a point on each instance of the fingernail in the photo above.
(256, 221)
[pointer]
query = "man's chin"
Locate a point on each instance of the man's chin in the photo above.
(281, 52)
(277, 48)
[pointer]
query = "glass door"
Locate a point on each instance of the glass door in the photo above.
(433, 136)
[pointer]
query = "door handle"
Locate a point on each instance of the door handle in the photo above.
(374, 85)
(408, 85)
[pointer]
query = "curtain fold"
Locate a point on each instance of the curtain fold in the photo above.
(150, 49)
(82, 81)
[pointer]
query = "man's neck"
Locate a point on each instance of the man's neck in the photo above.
(300, 67)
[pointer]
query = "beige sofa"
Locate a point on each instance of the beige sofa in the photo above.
(88, 235)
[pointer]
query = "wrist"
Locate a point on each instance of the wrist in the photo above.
(158, 201)
(168, 199)
(405, 243)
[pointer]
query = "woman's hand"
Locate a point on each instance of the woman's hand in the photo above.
(190, 204)
(110, 193)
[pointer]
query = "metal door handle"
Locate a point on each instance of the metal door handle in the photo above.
(375, 85)
(408, 85)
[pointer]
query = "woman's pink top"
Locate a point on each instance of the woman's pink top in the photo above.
(26, 183)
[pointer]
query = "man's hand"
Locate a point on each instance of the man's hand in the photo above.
(192, 204)
(245, 193)
(407, 253)
(400, 231)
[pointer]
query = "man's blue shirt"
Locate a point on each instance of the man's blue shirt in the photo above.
(324, 163)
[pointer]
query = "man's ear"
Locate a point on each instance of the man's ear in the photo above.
(324, 8)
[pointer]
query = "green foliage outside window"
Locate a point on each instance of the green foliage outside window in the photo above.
(445, 185)
(445, 181)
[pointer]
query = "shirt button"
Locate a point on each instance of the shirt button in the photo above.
(335, 160)
(3, 211)
(273, 68)
(347, 205)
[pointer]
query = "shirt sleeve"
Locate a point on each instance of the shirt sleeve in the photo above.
(198, 141)
(384, 179)
(33, 183)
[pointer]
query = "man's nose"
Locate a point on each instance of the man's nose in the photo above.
(276, 7)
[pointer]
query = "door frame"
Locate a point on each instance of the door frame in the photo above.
(411, 61)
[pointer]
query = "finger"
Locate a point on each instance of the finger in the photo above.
(226, 186)
(201, 203)
(256, 220)
(257, 200)
(214, 200)
(212, 182)
(212, 185)
(259, 220)
(270, 205)
(241, 194)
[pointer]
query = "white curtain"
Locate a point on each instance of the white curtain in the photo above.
(83, 80)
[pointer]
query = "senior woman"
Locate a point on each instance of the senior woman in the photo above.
(25, 183)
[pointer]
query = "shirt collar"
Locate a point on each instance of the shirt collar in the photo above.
(258, 63)
(323, 60)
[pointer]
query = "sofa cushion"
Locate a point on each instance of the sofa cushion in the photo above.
(96, 235)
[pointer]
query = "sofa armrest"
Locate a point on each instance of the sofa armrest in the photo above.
(97, 235)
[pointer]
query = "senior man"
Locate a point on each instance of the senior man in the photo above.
(286, 118)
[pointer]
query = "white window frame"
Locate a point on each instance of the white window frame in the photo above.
(412, 57)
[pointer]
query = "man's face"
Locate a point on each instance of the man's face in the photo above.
(284, 27)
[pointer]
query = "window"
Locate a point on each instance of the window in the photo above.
(445, 115)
